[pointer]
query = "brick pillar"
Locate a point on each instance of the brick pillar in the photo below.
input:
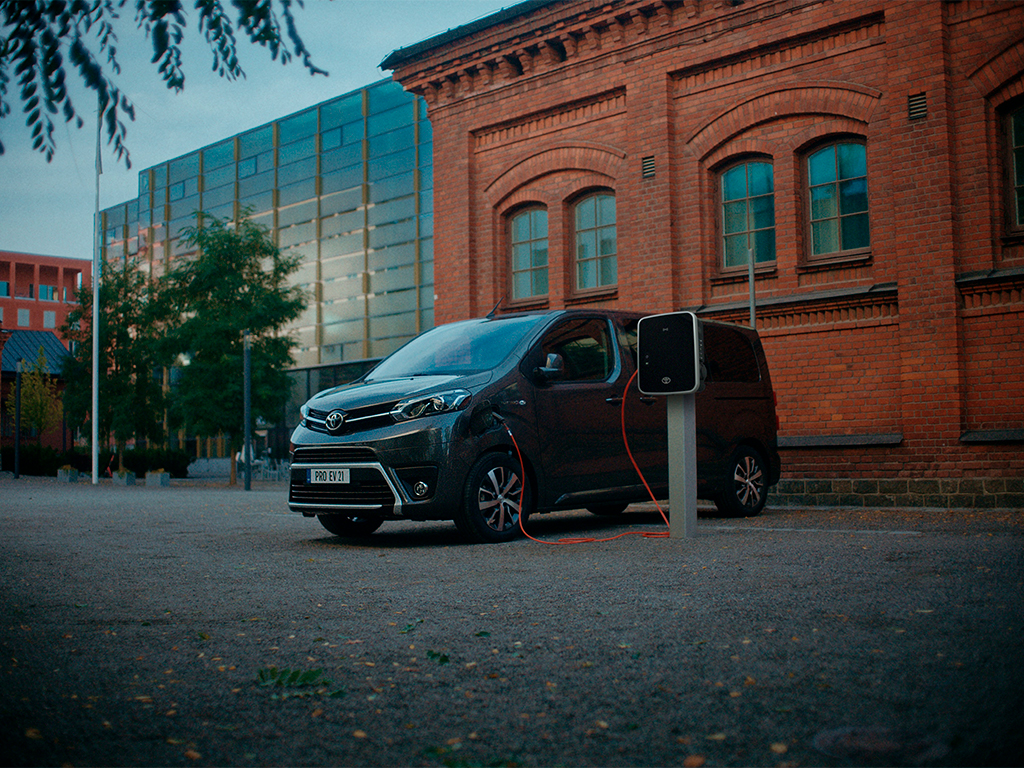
(649, 269)
(455, 283)
(923, 243)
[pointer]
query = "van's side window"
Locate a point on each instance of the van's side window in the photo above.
(729, 356)
(586, 349)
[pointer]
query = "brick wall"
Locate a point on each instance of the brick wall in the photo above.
(901, 362)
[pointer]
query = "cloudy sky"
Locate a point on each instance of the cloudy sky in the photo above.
(47, 208)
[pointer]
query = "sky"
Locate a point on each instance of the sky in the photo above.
(48, 208)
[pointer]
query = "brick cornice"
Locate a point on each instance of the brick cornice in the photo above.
(530, 126)
(876, 305)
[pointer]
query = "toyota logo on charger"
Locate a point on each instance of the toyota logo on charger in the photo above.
(335, 420)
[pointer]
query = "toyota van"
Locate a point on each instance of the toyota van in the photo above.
(486, 420)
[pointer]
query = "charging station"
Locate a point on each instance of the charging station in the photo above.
(670, 362)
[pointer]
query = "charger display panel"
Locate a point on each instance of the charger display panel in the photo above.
(670, 354)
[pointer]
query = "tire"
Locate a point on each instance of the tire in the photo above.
(744, 490)
(350, 525)
(492, 501)
(615, 508)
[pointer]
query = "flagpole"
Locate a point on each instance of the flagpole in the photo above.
(97, 254)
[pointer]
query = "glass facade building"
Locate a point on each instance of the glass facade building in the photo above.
(346, 185)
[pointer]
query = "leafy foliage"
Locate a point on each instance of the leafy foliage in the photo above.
(37, 35)
(131, 398)
(40, 398)
(237, 281)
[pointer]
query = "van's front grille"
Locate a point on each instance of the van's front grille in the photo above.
(367, 489)
(331, 454)
(357, 419)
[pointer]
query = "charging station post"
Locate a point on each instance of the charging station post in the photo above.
(670, 361)
(682, 466)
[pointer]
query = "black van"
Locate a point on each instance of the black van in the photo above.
(428, 433)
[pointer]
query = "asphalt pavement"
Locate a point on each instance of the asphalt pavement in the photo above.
(205, 625)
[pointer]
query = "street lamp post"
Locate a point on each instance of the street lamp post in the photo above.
(247, 408)
(17, 420)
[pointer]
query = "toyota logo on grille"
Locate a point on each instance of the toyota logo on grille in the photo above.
(335, 420)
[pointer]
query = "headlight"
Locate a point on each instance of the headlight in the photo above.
(429, 405)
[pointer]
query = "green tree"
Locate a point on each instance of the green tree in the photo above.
(37, 35)
(40, 398)
(237, 281)
(130, 395)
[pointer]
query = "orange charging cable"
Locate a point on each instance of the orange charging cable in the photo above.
(590, 539)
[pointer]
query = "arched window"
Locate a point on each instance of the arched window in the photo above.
(837, 181)
(596, 250)
(748, 213)
(528, 236)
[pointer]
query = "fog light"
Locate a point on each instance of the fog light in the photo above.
(420, 489)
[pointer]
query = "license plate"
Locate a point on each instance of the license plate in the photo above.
(317, 476)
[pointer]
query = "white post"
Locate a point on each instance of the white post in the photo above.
(96, 271)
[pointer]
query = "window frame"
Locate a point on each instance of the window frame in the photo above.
(593, 195)
(720, 203)
(847, 254)
(533, 270)
(1014, 207)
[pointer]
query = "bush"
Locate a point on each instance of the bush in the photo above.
(34, 460)
(46, 461)
(145, 460)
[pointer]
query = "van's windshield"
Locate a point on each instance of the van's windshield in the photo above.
(457, 348)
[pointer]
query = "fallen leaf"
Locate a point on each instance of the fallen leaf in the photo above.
(191, 754)
(359, 734)
(694, 761)
(716, 737)
(33, 733)
(779, 748)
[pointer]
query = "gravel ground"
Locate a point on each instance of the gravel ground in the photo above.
(139, 625)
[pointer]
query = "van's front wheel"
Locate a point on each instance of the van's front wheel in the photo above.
(493, 500)
(744, 488)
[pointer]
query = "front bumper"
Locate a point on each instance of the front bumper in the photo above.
(407, 471)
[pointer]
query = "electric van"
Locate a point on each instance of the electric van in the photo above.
(484, 420)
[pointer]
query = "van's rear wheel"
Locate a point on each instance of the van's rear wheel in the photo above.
(493, 500)
(346, 525)
(744, 489)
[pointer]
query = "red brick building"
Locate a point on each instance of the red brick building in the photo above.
(869, 154)
(37, 292)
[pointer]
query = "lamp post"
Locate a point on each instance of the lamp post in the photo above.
(17, 420)
(247, 407)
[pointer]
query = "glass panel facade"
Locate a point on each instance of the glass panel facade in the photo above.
(344, 186)
(838, 185)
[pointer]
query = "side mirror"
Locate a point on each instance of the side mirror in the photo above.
(554, 368)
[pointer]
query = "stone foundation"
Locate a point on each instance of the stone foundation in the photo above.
(963, 493)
